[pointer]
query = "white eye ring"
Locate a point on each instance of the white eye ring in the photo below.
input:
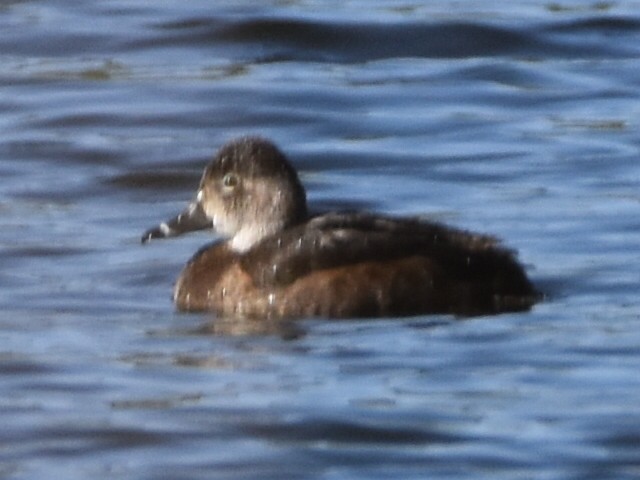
(230, 180)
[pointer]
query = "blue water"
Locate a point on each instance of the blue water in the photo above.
(518, 119)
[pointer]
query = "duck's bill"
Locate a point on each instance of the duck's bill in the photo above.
(191, 219)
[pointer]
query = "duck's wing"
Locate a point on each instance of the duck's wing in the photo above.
(341, 239)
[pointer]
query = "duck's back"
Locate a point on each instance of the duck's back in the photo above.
(356, 265)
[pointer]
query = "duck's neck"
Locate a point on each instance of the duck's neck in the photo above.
(273, 209)
(248, 236)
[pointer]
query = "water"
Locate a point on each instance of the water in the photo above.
(519, 120)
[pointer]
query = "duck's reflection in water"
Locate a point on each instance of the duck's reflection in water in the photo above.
(239, 326)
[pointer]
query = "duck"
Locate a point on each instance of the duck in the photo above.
(276, 260)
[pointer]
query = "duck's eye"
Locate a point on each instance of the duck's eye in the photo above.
(230, 180)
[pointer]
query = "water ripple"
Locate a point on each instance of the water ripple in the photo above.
(517, 119)
(298, 40)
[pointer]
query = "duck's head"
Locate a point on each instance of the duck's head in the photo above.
(248, 192)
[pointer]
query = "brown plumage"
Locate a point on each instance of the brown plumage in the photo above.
(281, 263)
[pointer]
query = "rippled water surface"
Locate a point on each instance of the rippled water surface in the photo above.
(514, 118)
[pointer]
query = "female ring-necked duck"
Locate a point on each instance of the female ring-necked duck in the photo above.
(280, 262)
